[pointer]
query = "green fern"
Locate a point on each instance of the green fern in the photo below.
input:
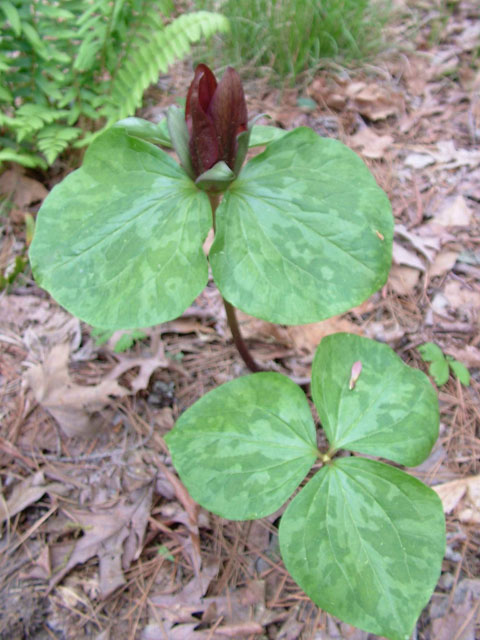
(154, 50)
(52, 140)
(69, 68)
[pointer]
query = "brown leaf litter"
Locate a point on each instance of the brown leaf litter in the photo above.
(72, 405)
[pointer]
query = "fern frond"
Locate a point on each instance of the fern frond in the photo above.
(33, 117)
(52, 140)
(29, 160)
(74, 61)
(12, 16)
(153, 52)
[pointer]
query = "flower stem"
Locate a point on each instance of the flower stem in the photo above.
(238, 339)
(230, 310)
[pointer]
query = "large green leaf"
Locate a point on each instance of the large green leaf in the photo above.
(391, 412)
(304, 233)
(243, 448)
(119, 242)
(365, 541)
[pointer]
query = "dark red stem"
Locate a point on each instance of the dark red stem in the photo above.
(238, 339)
(230, 311)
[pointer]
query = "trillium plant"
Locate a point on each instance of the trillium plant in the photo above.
(302, 232)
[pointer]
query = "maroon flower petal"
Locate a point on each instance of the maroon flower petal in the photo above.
(228, 111)
(203, 142)
(203, 86)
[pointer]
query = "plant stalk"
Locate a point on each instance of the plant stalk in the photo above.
(230, 309)
(238, 338)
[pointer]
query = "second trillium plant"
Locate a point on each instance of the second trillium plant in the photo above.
(302, 233)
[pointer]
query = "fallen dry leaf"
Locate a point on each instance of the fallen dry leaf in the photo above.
(470, 37)
(181, 606)
(40, 322)
(369, 144)
(178, 632)
(22, 191)
(374, 101)
(458, 623)
(329, 91)
(307, 337)
(406, 257)
(242, 630)
(461, 297)
(455, 213)
(186, 325)
(70, 404)
(424, 240)
(146, 365)
(469, 355)
(452, 158)
(468, 489)
(27, 492)
(261, 330)
(419, 160)
(443, 263)
(114, 534)
(403, 280)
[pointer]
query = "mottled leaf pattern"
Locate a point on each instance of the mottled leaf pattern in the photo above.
(243, 448)
(392, 412)
(119, 242)
(365, 541)
(304, 233)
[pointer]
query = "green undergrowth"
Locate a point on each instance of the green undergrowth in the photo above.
(288, 37)
(69, 68)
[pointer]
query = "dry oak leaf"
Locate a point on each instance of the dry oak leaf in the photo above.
(468, 489)
(27, 492)
(407, 258)
(462, 297)
(114, 534)
(70, 404)
(403, 280)
(307, 337)
(455, 213)
(329, 92)
(375, 102)
(451, 158)
(22, 191)
(443, 263)
(304, 337)
(371, 145)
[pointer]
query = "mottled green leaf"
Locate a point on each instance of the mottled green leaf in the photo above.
(119, 242)
(365, 541)
(392, 411)
(460, 371)
(243, 448)
(439, 371)
(430, 352)
(304, 233)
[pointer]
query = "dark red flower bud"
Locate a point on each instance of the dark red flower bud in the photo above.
(215, 116)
